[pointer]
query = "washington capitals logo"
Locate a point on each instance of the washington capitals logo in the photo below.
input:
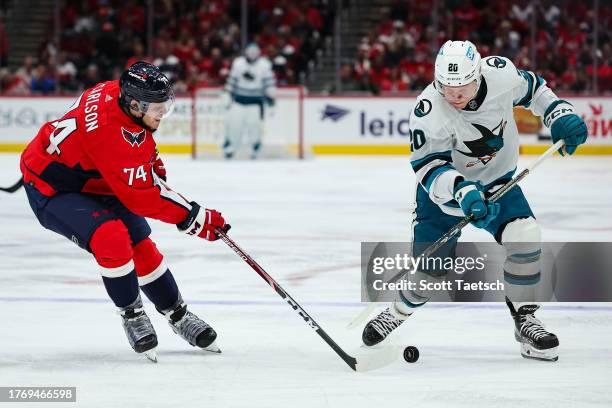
(335, 113)
(134, 138)
(487, 146)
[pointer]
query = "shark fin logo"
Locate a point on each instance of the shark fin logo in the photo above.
(134, 138)
(496, 62)
(422, 108)
(335, 113)
(485, 148)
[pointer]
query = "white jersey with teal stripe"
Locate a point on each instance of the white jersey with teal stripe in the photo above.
(251, 82)
(480, 142)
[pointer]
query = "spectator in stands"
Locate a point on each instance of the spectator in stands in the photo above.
(284, 74)
(348, 79)
(26, 71)
(92, 76)
(167, 62)
(395, 82)
(563, 43)
(194, 41)
(138, 54)
(43, 81)
(421, 79)
(66, 73)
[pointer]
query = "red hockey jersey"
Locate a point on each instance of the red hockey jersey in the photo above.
(96, 148)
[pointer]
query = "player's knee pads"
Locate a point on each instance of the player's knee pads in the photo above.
(521, 238)
(149, 261)
(112, 247)
(521, 230)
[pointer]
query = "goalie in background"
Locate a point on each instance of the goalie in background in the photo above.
(251, 89)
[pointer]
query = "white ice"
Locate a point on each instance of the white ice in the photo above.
(303, 222)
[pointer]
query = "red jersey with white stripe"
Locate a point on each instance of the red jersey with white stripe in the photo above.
(97, 148)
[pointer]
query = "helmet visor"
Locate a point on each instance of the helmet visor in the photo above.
(158, 110)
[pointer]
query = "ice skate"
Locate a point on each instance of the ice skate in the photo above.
(536, 342)
(194, 330)
(139, 330)
(382, 325)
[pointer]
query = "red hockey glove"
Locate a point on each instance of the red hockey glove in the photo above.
(202, 222)
(158, 166)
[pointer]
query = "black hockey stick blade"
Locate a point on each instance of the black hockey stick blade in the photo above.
(371, 360)
(14, 187)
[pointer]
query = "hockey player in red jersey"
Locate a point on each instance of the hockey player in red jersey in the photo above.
(93, 176)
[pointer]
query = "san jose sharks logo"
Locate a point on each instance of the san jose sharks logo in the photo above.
(495, 62)
(422, 108)
(335, 113)
(487, 146)
(134, 138)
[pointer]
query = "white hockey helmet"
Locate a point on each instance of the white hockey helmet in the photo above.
(457, 64)
(252, 52)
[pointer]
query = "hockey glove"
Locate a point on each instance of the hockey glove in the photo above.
(470, 197)
(570, 128)
(158, 166)
(202, 222)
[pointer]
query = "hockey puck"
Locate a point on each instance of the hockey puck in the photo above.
(411, 354)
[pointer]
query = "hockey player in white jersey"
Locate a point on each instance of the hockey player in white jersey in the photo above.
(251, 89)
(465, 145)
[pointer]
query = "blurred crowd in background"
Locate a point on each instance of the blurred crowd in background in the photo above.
(195, 41)
(397, 56)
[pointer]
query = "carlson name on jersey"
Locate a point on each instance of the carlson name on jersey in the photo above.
(96, 148)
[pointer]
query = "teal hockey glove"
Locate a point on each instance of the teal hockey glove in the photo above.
(470, 197)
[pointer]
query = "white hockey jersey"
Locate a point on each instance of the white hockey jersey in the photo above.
(251, 82)
(480, 142)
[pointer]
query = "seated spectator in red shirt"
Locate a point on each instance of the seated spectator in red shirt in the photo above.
(420, 80)
(185, 47)
(212, 65)
(395, 82)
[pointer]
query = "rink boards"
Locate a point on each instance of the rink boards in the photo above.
(345, 125)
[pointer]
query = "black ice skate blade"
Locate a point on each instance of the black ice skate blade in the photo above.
(535, 354)
(551, 360)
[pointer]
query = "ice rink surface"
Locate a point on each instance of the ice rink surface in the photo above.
(303, 222)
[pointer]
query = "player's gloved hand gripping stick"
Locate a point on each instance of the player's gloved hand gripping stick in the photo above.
(374, 359)
(459, 226)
